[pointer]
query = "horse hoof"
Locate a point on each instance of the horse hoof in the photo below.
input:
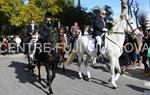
(109, 80)
(47, 84)
(51, 93)
(81, 78)
(115, 87)
(88, 79)
(64, 70)
(39, 79)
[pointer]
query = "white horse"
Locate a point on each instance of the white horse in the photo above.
(113, 48)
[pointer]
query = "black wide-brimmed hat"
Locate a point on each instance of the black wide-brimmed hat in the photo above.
(48, 14)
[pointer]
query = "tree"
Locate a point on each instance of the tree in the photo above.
(16, 15)
(109, 12)
(10, 10)
(123, 7)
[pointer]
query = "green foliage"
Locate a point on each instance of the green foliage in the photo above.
(19, 15)
(109, 12)
(15, 15)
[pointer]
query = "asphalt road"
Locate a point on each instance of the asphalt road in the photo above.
(15, 80)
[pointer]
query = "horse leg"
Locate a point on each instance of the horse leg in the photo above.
(79, 66)
(88, 58)
(112, 68)
(64, 69)
(47, 67)
(39, 73)
(54, 67)
(118, 70)
(29, 60)
(93, 60)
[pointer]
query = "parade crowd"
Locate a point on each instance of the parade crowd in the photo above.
(136, 48)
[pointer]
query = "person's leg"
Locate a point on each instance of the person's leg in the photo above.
(139, 60)
(99, 41)
(144, 62)
(134, 59)
(103, 40)
(148, 62)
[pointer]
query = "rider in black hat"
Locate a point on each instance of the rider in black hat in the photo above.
(48, 26)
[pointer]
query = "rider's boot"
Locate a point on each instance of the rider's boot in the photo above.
(98, 50)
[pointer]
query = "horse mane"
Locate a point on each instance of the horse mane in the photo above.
(117, 22)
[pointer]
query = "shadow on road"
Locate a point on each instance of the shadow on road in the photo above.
(140, 89)
(101, 82)
(98, 67)
(25, 76)
(137, 73)
(68, 73)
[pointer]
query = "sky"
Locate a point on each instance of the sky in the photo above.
(115, 4)
(26, 1)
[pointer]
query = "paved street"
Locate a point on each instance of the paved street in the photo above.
(14, 80)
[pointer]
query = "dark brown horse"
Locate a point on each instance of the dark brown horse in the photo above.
(48, 58)
(62, 46)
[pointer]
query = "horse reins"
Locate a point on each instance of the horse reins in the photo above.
(114, 42)
(133, 30)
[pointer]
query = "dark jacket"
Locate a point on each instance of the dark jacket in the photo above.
(46, 29)
(30, 30)
(99, 25)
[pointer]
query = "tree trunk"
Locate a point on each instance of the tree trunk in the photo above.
(123, 7)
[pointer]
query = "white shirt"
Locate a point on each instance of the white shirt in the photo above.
(32, 26)
(18, 41)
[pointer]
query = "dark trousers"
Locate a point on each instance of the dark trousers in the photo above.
(144, 62)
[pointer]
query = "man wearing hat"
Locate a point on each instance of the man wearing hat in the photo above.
(47, 27)
(100, 29)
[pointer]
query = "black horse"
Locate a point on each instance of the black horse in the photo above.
(48, 57)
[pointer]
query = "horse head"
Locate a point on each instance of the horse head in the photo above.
(35, 37)
(124, 25)
(88, 30)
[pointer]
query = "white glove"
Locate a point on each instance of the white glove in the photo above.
(105, 29)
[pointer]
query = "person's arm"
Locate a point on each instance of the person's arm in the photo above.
(43, 28)
(36, 28)
(71, 30)
(29, 32)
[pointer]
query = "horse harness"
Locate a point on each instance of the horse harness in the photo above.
(122, 33)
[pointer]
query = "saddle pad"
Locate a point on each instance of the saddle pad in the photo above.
(91, 46)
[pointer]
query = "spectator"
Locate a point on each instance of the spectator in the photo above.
(4, 46)
(74, 29)
(144, 51)
(74, 33)
(18, 41)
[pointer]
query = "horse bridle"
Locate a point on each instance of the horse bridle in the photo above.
(133, 30)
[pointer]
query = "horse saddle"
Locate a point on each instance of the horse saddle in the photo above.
(92, 45)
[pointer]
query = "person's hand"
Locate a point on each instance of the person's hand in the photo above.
(30, 33)
(105, 29)
(78, 31)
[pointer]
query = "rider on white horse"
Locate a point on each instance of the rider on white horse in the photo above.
(100, 29)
